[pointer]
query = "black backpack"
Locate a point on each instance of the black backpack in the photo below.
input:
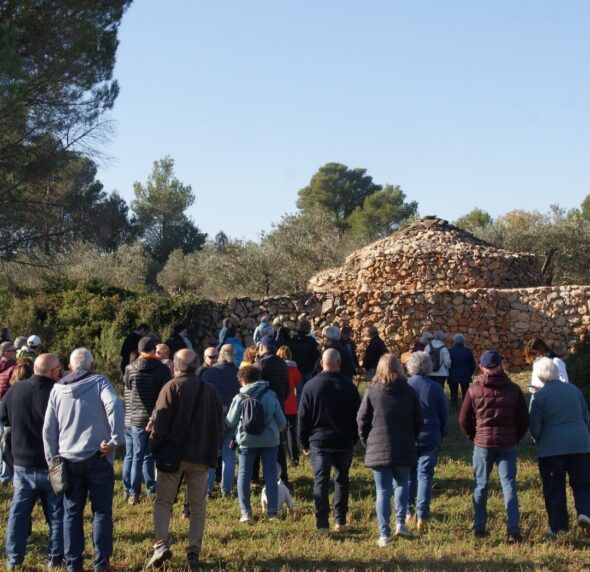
(435, 357)
(253, 416)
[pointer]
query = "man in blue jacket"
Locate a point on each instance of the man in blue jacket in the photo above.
(84, 423)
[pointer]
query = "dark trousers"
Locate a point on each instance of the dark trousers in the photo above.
(292, 446)
(440, 379)
(553, 471)
(322, 463)
(454, 388)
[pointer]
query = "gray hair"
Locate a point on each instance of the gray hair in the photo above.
(545, 369)
(20, 342)
(81, 358)
(425, 337)
(419, 363)
(440, 336)
(332, 333)
(458, 339)
(227, 353)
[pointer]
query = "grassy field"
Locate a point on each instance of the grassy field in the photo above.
(291, 544)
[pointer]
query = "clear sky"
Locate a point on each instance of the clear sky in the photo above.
(462, 103)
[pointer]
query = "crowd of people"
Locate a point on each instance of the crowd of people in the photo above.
(286, 396)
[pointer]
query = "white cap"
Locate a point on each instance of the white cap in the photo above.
(33, 341)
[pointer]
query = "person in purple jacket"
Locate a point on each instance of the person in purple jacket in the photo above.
(435, 412)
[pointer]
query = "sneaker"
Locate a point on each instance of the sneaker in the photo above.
(245, 517)
(422, 524)
(341, 528)
(402, 531)
(383, 541)
(480, 532)
(515, 538)
(272, 517)
(584, 523)
(133, 499)
(160, 555)
(192, 561)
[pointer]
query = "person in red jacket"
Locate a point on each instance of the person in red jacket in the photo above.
(494, 416)
(291, 406)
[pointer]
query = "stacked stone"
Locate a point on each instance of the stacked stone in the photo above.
(429, 254)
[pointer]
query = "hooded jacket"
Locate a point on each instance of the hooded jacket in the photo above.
(274, 418)
(494, 412)
(83, 410)
(434, 410)
(143, 380)
(389, 421)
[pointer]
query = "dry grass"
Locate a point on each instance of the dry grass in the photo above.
(292, 545)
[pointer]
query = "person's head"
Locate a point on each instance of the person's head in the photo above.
(440, 336)
(162, 351)
(248, 374)
(267, 345)
(545, 369)
(47, 365)
(303, 327)
(490, 361)
(331, 333)
(458, 340)
(389, 370)
(185, 362)
(425, 338)
(232, 331)
(81, 358)
(20, 342)
(265, 319)
(372, 331)
(210, 356)
(345, 333)
(22, 370)
(7, 351)
(331, 360)
(226, 322)
(147, 346)
(284, 352)
(536, 348)
(227, 354)
(34, 343)
(419, 363)
(250, 354)
(143, 329)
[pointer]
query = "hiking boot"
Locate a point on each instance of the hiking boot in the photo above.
(383, 541)
(133, 499)
(584, 523)
(160, 555)
(341, 528)
(422, 524)
(515, 538)
(402, 531)
(192, 561)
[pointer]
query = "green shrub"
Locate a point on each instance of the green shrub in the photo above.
(578, 366)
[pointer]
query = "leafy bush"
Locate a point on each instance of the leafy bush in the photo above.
(578, 366)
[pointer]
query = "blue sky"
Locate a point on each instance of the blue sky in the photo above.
(461, 103)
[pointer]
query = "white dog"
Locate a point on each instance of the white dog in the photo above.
(286, 501)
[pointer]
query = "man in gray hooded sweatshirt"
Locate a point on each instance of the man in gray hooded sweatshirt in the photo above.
(84, 423)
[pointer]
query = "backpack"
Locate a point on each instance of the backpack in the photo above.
(435, 357)
(253, 416)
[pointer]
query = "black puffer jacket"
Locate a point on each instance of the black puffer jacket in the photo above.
(143, 379)
(305, 351)
(276, 371)
(389, 421)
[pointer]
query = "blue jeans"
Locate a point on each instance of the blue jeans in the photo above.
(93, 478)
(228, 465)
(420, 482)
(322, 463)
(142, 462)
(388, 481)
(268, 457)
(6, 471)
(29, 484)
(148, 470)
(484, 459)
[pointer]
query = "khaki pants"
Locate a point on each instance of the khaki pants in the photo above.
(195, 476)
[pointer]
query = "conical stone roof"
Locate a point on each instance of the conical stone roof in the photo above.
(429, 254)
